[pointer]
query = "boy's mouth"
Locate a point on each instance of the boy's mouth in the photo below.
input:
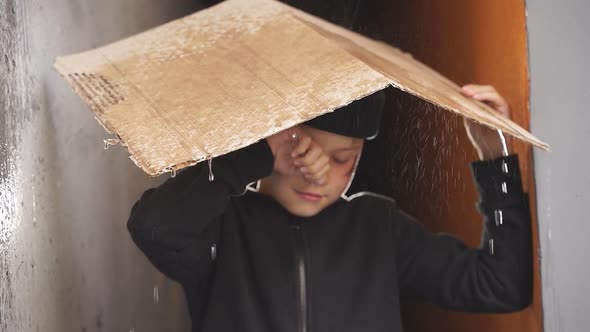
(308, 196)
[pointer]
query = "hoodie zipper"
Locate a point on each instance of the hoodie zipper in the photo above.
(300, 276)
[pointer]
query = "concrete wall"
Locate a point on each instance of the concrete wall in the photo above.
(66, 260)
(559, 47)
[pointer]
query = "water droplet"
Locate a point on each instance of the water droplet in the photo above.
(110, 141)
(211, 176)
(156, 294)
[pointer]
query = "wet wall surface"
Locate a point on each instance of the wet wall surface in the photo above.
(10, 97)
(67, 262)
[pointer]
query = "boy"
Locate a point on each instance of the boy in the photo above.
(295, 253)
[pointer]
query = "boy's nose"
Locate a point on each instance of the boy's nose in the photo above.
(324, 180)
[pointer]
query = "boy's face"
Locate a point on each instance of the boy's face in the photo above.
(305, 198)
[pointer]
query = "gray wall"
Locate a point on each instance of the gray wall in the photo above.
(66, 260)
(559, 46)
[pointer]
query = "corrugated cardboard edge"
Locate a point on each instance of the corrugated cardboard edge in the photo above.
(62, 68)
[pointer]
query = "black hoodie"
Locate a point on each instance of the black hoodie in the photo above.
(248, 265)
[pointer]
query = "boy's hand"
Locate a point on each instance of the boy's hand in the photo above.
(294, 151)
(281, 145)
(310, 160)
(485, 140)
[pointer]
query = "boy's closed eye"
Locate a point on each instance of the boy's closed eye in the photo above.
(340, 160)
(343, 157)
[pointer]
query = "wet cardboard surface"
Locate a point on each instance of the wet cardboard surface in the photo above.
(230, 75)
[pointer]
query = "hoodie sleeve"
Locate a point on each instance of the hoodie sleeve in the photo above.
(497, 276)
(176, 224)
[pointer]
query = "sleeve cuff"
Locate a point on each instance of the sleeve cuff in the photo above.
(243, 166)
(498, 179)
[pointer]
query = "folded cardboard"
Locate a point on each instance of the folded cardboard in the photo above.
(235, 73)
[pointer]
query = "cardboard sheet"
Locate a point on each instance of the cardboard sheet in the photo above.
(230, 75)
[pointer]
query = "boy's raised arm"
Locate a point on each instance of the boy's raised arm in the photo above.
(176, 224)
(497, 276)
